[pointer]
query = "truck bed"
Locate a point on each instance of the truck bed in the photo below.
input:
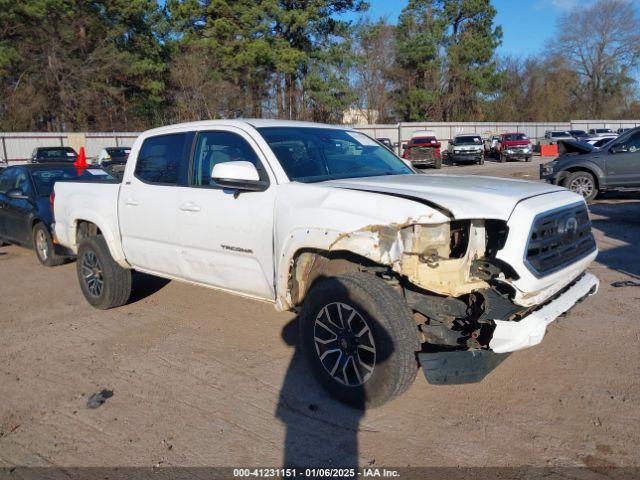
(95, 201)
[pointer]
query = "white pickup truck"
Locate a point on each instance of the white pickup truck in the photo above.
(384, 264)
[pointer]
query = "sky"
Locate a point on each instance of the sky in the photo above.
(527, 24)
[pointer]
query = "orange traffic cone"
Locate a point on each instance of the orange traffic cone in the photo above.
(81, 162)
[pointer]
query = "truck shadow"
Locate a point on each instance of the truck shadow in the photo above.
(619, 221)
(320, 430)
(143, 286)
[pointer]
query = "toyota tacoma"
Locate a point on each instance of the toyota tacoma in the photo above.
(387, 268)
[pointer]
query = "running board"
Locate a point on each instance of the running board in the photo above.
(459, 367)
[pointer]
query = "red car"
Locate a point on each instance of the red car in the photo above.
(423, 151)
(514, 146)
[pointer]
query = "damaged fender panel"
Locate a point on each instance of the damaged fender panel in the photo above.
(421, 253)
(366, 224)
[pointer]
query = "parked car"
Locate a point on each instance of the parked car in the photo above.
(621, 130)
(587, 170)
(514, 146)
(606, 137)
(423, 150)
(600, 142)
(490, 145)
(113, 156)
(382, 263)
(386, 142)
(554, 135)
(53, 154)
(466, 149)
(579, 134)
(601, 131)
(25, 208)
(114, 159)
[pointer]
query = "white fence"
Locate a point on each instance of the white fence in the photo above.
(16, 147)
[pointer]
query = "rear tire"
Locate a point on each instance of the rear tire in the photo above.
(44, 247)
(104, 283)
(342, 320)
(582, 183)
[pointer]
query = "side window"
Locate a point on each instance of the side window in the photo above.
(161, 157)
(632, 143)
(21, 182)
(7, 180)
(220, 147)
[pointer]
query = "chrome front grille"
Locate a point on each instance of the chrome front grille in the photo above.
(559, 238)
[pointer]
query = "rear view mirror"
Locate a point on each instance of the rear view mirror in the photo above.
(17, 194)
(619, 149)
(238, 175)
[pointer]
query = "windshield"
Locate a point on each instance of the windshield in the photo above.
(560, 134)
(422, 140)
(604, 130)
(45, 179)
(512, 137)
(468, 140)
(310, 154)
(118, 151)
(61, 152)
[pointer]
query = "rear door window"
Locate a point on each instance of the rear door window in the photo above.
(163, 159)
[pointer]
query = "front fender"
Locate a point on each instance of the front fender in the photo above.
(334, 219)
(582, 164)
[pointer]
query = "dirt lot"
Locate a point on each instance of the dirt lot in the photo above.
(202, 378)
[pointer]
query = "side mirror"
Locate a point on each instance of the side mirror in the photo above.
(17, 194)
(620, 148)
(238, 175)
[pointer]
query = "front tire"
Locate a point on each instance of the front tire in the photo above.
(104, 283)
(44, 247)
(582, 183)
(359, 339)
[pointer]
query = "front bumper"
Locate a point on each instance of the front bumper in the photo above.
(550, 176)
(510, 336)
(423, 161)
(517, 155)
(467, 157)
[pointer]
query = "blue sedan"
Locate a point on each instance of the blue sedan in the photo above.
(26, 215)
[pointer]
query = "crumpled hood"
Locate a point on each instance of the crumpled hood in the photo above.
(465, 197)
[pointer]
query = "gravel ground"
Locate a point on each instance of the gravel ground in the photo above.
(202, 378)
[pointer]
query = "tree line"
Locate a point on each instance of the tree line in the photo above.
(134, 64)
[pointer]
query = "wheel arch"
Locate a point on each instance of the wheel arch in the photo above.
(84, 226)
(309, 265)
(598, 174)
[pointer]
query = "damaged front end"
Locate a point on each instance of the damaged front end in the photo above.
(449, 275)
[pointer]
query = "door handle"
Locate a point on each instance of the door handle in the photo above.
(131, 202)
(189, 207)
